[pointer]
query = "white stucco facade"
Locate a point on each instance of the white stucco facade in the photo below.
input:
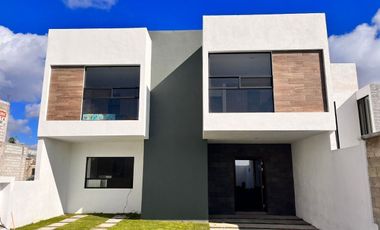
(85, 200)
(257, 33)
(63, 146)
(332, 186)
(98, 47)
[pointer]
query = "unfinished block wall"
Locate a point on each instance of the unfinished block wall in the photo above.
(373, 156)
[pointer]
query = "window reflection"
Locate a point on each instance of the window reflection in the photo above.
(240, 82)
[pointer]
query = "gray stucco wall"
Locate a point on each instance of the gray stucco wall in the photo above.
(175, 156)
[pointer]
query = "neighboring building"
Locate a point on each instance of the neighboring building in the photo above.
(369, 115)
(4, 116)
(16, 160)
(246, 115)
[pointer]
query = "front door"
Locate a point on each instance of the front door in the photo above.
(249, 186)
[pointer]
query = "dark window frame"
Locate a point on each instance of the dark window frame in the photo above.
(239, 77)
(90, 178)
(337, 137)
(365, 119)
(111, 94)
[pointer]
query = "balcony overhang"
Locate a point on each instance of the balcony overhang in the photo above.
(285, 127)
(257, 137)
(93, 130)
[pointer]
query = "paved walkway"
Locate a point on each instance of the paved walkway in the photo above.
(62, 222)
(110, 222)
(252, 221)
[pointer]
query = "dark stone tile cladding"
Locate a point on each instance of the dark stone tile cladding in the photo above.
(278, 176)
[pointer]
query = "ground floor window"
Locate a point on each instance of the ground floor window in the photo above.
(109, 172)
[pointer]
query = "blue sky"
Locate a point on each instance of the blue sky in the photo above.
(20, 18)
(37, 16)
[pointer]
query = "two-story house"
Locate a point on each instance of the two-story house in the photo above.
(246, 115)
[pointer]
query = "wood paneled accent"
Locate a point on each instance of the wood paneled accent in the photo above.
(298, 81)
(66, 93)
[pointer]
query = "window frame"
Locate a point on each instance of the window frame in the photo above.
(111, 89)
(240, 87)
(364, 110)
(86, 168)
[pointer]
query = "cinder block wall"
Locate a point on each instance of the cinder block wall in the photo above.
(14, 162)
(373, 156)
(375, 95)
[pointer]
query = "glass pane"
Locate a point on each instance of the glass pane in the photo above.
(241, 100)
(110, 109)
(240, 64)
(110, 172)
(111, 93)
(244, 174)
(365, 116)
(97, 93)
(256, 82)
(216, 101)
(224, 82)
(126, 92)
(112, 77)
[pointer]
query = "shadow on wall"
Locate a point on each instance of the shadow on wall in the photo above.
(58, 153)
(175, 156)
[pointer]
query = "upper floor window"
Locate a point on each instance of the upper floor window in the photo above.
(111, 93)
(365, 115)
(240, 82)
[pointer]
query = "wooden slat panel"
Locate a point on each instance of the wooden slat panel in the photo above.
(65, 94)
(298, 81)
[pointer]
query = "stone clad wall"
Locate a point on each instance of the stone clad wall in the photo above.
(373, 156)
(278, 176)
(375, 98)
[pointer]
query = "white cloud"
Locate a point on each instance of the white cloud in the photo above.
(361, 46)
(18, 126)
(99, 4)
(32, 110)
(22, 58)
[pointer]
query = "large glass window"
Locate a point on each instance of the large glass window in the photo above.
(240, 82)
(111, 93)
(109, 172)
(365, 115)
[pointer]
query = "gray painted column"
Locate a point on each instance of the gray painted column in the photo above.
(175, 156)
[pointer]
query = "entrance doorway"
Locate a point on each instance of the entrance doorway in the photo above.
(249, 186)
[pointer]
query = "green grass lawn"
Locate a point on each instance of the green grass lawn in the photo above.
(44, 223)
(132, 222)
(159, 225)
